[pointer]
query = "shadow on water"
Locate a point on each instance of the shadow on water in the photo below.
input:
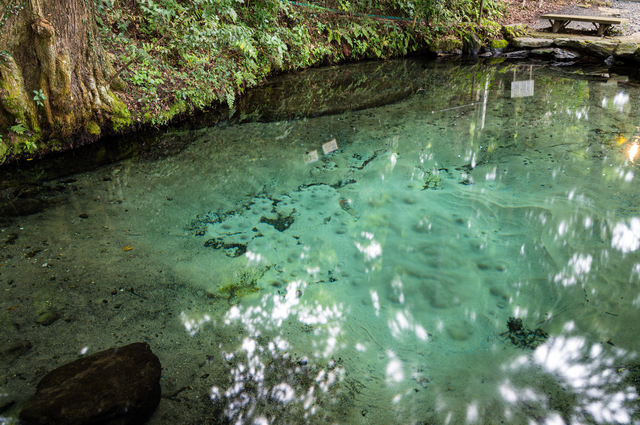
(403, 242)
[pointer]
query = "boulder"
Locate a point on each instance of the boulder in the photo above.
(601, 49)
(531, 43)
(118, 386)
(627, 52)
(568, 43)
(471, 44)
(446, 46)
(495, 47)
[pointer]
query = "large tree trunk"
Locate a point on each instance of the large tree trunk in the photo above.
(54, 75)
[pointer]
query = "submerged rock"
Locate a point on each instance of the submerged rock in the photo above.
(48, 317)
(118, 386)
(21, 207)
(523, 337)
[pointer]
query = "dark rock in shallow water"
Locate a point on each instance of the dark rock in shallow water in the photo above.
(21, 207)
(48, 317)
(12, 348)
(118, 386)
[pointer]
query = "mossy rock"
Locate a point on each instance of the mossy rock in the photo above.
(512, 31)
(121, 117)
(447, 45)
(4, 151)
(471, 43)
(93, 128)
(498, 44)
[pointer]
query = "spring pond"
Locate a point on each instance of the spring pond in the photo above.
(348, 247)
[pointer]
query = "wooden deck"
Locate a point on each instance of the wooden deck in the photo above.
(602, 23)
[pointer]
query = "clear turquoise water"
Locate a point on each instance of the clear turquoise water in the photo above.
(372, 284)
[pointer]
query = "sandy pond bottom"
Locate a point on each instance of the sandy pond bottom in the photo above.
(372, 284)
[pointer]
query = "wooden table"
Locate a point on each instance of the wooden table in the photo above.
(602, 23)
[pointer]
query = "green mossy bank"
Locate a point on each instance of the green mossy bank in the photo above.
(172, 58)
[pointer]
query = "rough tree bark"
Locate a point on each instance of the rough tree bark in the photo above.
(50, 50)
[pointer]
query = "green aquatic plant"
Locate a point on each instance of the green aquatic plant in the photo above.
(241, 283)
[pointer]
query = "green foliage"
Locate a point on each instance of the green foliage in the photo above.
(13, 8)
(39, 97)
(30, 145)
(19, 129)
(194, 53)
(512, 31)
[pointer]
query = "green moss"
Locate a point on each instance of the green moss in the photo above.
(175, 109)
(513, 31)
(121, 117)
(498, 44)
(93, 127)
(12, 94)
(4, 151)
(446, 45)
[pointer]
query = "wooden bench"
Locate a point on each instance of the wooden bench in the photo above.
(602, 23)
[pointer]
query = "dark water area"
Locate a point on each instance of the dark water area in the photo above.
(399, 242)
